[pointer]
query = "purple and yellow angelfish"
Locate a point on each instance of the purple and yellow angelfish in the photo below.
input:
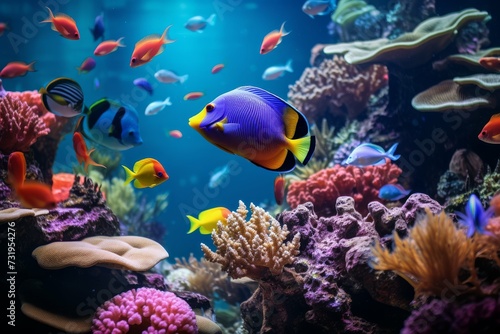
(256, 125)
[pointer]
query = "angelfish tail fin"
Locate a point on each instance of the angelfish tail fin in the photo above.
(130, 175)
(195, 224)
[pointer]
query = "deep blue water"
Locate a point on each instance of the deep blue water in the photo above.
(234, 40)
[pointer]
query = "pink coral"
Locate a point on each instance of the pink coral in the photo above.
(324, 187)
(20, 125)
(145, 310)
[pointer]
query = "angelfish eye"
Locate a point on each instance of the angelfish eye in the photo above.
(210, 107)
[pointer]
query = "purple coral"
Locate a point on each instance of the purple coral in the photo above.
(145, 310)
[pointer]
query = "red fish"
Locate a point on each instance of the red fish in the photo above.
(193, 96)
(82, 153)
(63, 24)
(148, 47)
(33, 194)
(16, 69)
(16, 169)
(3, 27)
(107, 47)
(175, 134)
(491, 63)
(491, 131)
(217, 68)
(272, 40)
(279, 189)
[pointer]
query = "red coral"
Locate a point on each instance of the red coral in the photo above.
(323, 187)
(20, 125)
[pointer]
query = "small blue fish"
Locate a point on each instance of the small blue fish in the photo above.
(370, 155)
(319, 7)
(144, 84)
(275, 72)
(218, 176)
(393, 192)
(98, 30)
(475, 217)
(111, 124)
(198, 23)
(165, 76)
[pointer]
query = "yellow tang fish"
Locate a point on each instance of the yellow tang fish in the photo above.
(208, 219)
(147, 172)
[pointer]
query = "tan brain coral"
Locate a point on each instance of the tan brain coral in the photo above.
(127, 252)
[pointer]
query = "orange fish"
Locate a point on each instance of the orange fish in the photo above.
(3, 27)
(16, 69)
(82, 153)
(193, 96)
(33, 194)
(491, 131)
(16, 169)
(175, 134)
(63, 24)
(491, 63)
(107, 47)
(148, 47)
(272, 39)
(279, 189)
(217, 68)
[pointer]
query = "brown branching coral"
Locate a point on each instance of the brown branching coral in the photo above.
(20, 125)
(337, 88)
(252, 248)
(435, 255)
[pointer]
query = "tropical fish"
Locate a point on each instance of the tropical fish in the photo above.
(98, 30)
(144, 84)
(107, 47)
(31, 194)
(16, 169)
(491, 131)
(16, 69)
(275, 72)
(3, 27)
(175, 134)
(319, 7)
(154, 107)
(218, 176)
(207, 220)
(279, 189)
(272, 39)
(97, 83)
(193, 96)
(475, 217)
(491, 63)
(87, 65)
(148, 47)
(147, 172)
(165, 76)
(112, 124)
(217, 68)
(63, 24)
(82, 153)
(393, 192)
(198, 23)
(258, 126)
(369, 155)
(63, 97)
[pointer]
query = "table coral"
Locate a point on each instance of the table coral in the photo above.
(324, 187)
(145, 310)
(336, 88)
(20, 125)
(252, 248)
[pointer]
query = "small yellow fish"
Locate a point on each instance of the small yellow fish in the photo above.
(208, 219)
(147, 172)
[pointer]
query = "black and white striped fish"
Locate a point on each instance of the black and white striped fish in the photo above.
(63, 97)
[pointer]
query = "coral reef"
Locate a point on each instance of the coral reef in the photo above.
(147, 310)
(324, 187)
(336, 88)
(20, 126)
(253, 248)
